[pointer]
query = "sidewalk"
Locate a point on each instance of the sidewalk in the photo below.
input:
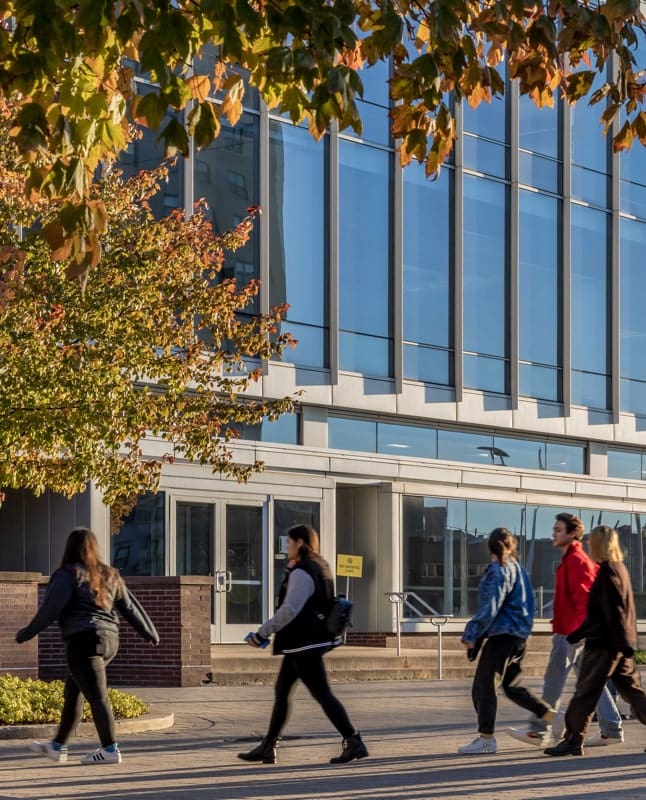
(412, 729)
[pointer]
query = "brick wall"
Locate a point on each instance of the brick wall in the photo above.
(355, 639)
(19, 595)
(180, 607)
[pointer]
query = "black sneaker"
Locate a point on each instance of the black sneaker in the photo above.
(564, 748)
(353, 747)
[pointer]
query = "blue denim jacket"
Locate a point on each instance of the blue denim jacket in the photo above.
(506, 603)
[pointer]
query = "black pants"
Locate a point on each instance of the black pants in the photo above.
(88, 654)
(501, 664)
(597, 666)
(309, 667)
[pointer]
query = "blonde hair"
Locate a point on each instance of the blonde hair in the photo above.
(604, 544)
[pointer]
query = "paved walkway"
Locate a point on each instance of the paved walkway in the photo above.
(412, 729)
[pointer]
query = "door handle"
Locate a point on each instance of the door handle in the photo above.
(229, 581)
(220, 581)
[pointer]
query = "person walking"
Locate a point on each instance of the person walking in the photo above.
(574, 578)
(504, 617)
(300, 635)
(84, 594)
(610, 633)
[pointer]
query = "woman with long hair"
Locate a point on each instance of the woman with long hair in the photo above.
(84, 594)
(302, 638)
(610, 633)
(505, 617)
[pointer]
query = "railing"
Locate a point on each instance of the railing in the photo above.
(421, 611)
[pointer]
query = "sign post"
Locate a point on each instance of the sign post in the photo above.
(350, 567)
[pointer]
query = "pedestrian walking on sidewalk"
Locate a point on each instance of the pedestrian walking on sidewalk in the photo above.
(504, 618)
(574, 578)
(84, 595)
(610, 633)
(302, 638)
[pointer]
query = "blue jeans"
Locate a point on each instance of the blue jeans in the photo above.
(563, 658)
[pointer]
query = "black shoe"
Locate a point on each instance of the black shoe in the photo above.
(564, 748)
(353, 747)
(265, 752)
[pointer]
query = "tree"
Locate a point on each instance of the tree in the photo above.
(85, 376)
(72, 61)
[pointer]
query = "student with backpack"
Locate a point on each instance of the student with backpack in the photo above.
(301, 636)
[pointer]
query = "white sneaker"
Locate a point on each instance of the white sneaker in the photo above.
(477, 746)
(102, 756)
(530, 736)
(558, 725)
(599, 740)
(48, 749)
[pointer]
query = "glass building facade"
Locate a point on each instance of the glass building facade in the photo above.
(470, 354)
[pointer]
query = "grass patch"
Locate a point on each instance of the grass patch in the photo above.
(25, 701)
(640, 656)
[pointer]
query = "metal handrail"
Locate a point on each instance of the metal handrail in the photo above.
(399, 600)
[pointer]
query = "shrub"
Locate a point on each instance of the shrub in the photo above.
(640, 656)
(24, 701)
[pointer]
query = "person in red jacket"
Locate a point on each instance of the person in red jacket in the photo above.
(610, 634)
(574, 578)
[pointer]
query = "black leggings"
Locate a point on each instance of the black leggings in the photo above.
(501, 663)
(88, 654)
(309, 667)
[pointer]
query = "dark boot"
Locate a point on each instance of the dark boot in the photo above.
(265, 752)
(564, 748)
(353, 747)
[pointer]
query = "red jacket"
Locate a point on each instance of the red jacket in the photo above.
(574, 578)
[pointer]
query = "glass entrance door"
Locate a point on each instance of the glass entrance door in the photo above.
(239, 588)
(227, 541)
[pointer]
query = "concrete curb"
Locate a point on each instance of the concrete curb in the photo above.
(147, 722)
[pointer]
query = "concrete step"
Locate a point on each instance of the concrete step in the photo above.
(241, 666)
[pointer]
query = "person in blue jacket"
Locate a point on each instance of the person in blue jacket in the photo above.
(504, 622)
(84, 595)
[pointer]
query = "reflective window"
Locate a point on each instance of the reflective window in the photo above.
(485, 274)
(539, 313)
(539, 127)
(633, 162)
(406, 440)
(632, 317)
(590, 318)
(345, 433)
(139, 546)
(206, 63)
(429, 364)
(284, 430)
(541, 173)
(364, 259)
(297, 239)
(566, 458)
(625, 464)
(194, 538)
(463, 446)
(427, 551)
(427, 272)
(145, 153)
(486, 373)
(484, 156)
(488, 119)
(521, 453)
(589, 147)
(226, 176)
(288, 513)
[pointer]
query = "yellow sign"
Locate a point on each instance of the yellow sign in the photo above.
(349, 566)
